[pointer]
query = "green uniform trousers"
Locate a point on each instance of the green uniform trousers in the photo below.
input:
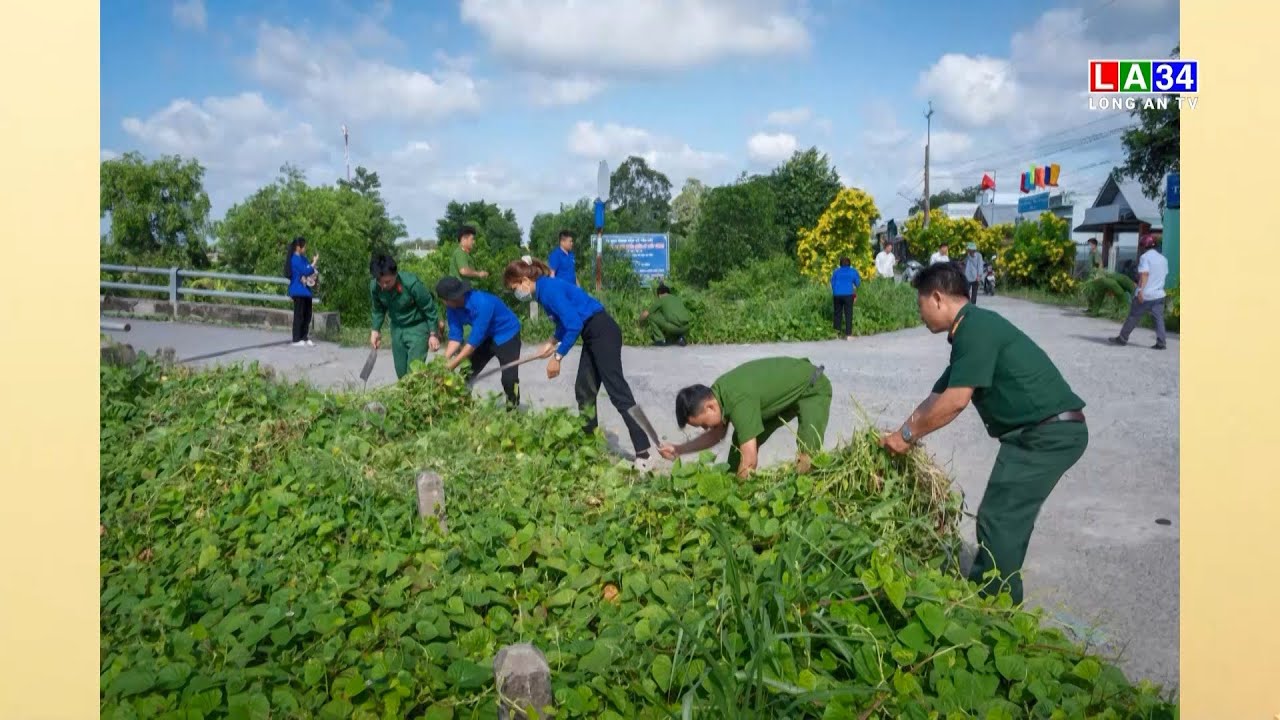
(665, 331)
(409, 344)
(1029, 465)
(812, 411)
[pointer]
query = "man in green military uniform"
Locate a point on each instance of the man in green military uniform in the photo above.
(1023, 401)
(415, 318)
(460, 262)
(757, 398)
(668, 319)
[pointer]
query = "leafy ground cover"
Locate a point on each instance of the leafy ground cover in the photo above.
(262, 557)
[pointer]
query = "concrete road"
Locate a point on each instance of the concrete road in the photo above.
(1098, 557)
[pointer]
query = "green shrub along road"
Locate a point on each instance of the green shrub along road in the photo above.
(262, 557)
(767, 302)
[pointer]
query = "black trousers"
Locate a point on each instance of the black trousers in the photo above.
(973, 292)
(507, 352)
(601, 363)
(301, 318)
(842, 312)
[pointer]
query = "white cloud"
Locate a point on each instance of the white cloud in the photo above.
(771, 149)
(106, 154)
(622, 36)
(789, 117)
(330, 77)
(190, 14)
(614, 143)
(570, 90)
(973, 91)
(241, 134)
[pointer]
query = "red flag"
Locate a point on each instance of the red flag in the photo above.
(988, 180)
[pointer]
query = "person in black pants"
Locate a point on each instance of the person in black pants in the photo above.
(577, 314)
(301, 276)
(495, 332)
(844, 290)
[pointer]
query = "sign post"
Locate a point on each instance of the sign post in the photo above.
(1171, 232)
(650, 253)
(602, 197)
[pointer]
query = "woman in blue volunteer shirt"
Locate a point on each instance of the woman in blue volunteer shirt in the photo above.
(561, 261)
(495, 332)
(845, 282)
(577, 314)
(300, 273)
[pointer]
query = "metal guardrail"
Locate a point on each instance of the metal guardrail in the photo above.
(174, 290)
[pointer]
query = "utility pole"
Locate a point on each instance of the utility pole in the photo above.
(346, 151)
(928, 138)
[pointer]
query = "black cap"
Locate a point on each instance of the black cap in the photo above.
(452, 288)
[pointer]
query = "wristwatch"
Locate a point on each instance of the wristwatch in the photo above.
(905, 431)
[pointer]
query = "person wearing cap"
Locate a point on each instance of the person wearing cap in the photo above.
(845, 282)
(561, 261)
(495, 332)
(578, 315)
(974, 267)
(1148, 297)
(668, 318)
(1023, 401)
(400, 297)
(756, 398)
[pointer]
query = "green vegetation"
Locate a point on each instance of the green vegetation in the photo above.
(262, 557)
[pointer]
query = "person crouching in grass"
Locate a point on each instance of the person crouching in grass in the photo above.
(668, 318)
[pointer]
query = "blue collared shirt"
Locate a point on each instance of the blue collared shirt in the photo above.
(569, 307)
(298, 269)
(564, 265)
(488, 317)
(845, 281)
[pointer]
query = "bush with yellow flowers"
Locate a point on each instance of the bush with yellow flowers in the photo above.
(844, 229)
(955, 233)
(1042, 255)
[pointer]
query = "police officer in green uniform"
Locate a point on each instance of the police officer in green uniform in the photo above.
(460, 262)
(668, 318)
(415, 318)
(1023, 401)
(756, 398)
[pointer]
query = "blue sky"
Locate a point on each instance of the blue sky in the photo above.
(516, 101)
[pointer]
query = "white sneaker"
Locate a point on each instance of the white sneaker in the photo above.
(299, 344)
(309, 343)
(644, 465)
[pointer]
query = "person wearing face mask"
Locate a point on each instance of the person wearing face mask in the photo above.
(578, 315)
(1023, 401)
(401, 298)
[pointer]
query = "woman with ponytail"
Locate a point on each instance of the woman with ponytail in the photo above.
(301, 276)
(577, 314)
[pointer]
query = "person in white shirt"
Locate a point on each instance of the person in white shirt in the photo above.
(885, 263)
(1153, 268)
(940, 256)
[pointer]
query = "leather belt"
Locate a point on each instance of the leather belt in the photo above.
(1069, 416)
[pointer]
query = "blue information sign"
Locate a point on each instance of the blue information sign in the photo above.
(1173, 191)
(1033, 203)
(650, 253)
(599, 214)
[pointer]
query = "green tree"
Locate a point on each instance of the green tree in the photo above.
(737, 226)
(687, 206)
(578, 218)
(337, 221)
(159, 210)
(640, 197)
(938, 199)
(496, 228)
(1153, 149)
(384, 229)
(804, 187)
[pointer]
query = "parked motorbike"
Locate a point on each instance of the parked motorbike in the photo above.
(913, 269)
(988, 280)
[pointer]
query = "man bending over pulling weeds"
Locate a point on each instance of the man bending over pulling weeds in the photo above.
(756, 398)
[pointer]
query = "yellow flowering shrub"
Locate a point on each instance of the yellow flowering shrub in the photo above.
(1042, 255)
(844, 229)
(955, 233)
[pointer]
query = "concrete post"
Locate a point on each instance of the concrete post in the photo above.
(523, 680)
(431, 498)
(173, 291)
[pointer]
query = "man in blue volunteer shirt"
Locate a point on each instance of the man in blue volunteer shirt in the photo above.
(845, 282)
(561, 261)
(495, 332)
